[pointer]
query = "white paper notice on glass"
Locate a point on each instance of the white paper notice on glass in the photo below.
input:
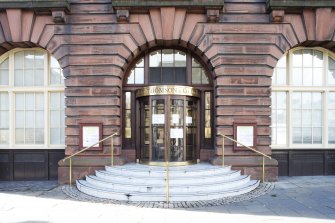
(90, 136)
(175, 118)
(245, 135)
(158, 119)
(176, 133)
(188, 119)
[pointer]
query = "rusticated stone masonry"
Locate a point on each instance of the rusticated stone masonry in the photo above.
(241, 45)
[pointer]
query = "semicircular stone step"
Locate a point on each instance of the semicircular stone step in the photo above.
(195, 186)
(136, 182)
(93, 190)
(150, 171)
(161, 178)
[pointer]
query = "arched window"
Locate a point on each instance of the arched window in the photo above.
(31, 100)
(167, 67)
(303, 99)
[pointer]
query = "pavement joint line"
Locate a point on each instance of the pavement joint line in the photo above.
(262, 189)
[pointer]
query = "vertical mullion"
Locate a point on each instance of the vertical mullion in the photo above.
(11, 96)
(24, 118)
(60, 117)
(289, 120)
(324, 119)
(301, 125)
(276, 114)
(34, 112)
(47, 100)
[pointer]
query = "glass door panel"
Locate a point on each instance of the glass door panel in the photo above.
(145, 129)
(191, 128)
(158, 130)
(177, 130)
(168, 126)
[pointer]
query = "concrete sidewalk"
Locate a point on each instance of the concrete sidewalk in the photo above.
(294, 199)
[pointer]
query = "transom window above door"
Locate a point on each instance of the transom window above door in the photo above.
(167, 66)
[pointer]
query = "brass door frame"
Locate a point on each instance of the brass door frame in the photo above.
(167, 144)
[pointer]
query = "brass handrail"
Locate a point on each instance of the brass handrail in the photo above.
(167, 193)
(83, 150)
(248, 147)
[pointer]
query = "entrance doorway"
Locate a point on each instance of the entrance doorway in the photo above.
(168, 127)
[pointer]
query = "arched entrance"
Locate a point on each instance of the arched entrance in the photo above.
(168, 124)
(168, 108)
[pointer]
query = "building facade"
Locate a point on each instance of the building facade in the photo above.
(169, 77)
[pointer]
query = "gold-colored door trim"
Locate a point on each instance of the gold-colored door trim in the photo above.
(168, 90)
(167, 99)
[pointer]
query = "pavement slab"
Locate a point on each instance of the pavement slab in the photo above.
(293, 199)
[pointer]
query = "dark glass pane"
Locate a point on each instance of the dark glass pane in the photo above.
(167, 76)
(131, 77)
(155, 59)
(331, 63)
(195, 63)
(140, 63)
(128, 100)
(167, 58)
(180, 59)
(204, 78)
(177, 102)
(139, 75)
(196, 75)
(180, 75)
(318, 59)
(154, 75)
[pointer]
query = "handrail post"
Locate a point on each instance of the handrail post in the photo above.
(263, 169)
(222, 151)
(167, 182)
(112, 151)
(70, 173)
(248, 147)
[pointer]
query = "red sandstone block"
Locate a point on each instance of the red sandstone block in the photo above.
(90, 8)
(81, 81)
(228, 101)
(92, 101)
(243, 111)
(263, 140)
(254, 70)
(97, 18)
(244, 8)
(71, 131)
(229, 120)
(92, 91)
(258, 81)
(106, 121)
(263, 130)
(92, 111)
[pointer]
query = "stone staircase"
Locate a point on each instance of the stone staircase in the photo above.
(137, 182)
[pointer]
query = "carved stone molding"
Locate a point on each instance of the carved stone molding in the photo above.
(122, 15)
(277, 16)
(58, 17)
(213, 15)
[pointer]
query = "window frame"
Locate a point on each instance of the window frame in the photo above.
(205, 143)
(146, 57)
(289, 89)
(46, 89)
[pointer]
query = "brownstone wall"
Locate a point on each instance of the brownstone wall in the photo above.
(242, 48)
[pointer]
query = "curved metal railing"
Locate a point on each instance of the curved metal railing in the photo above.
(83, 150)
(248, 147)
